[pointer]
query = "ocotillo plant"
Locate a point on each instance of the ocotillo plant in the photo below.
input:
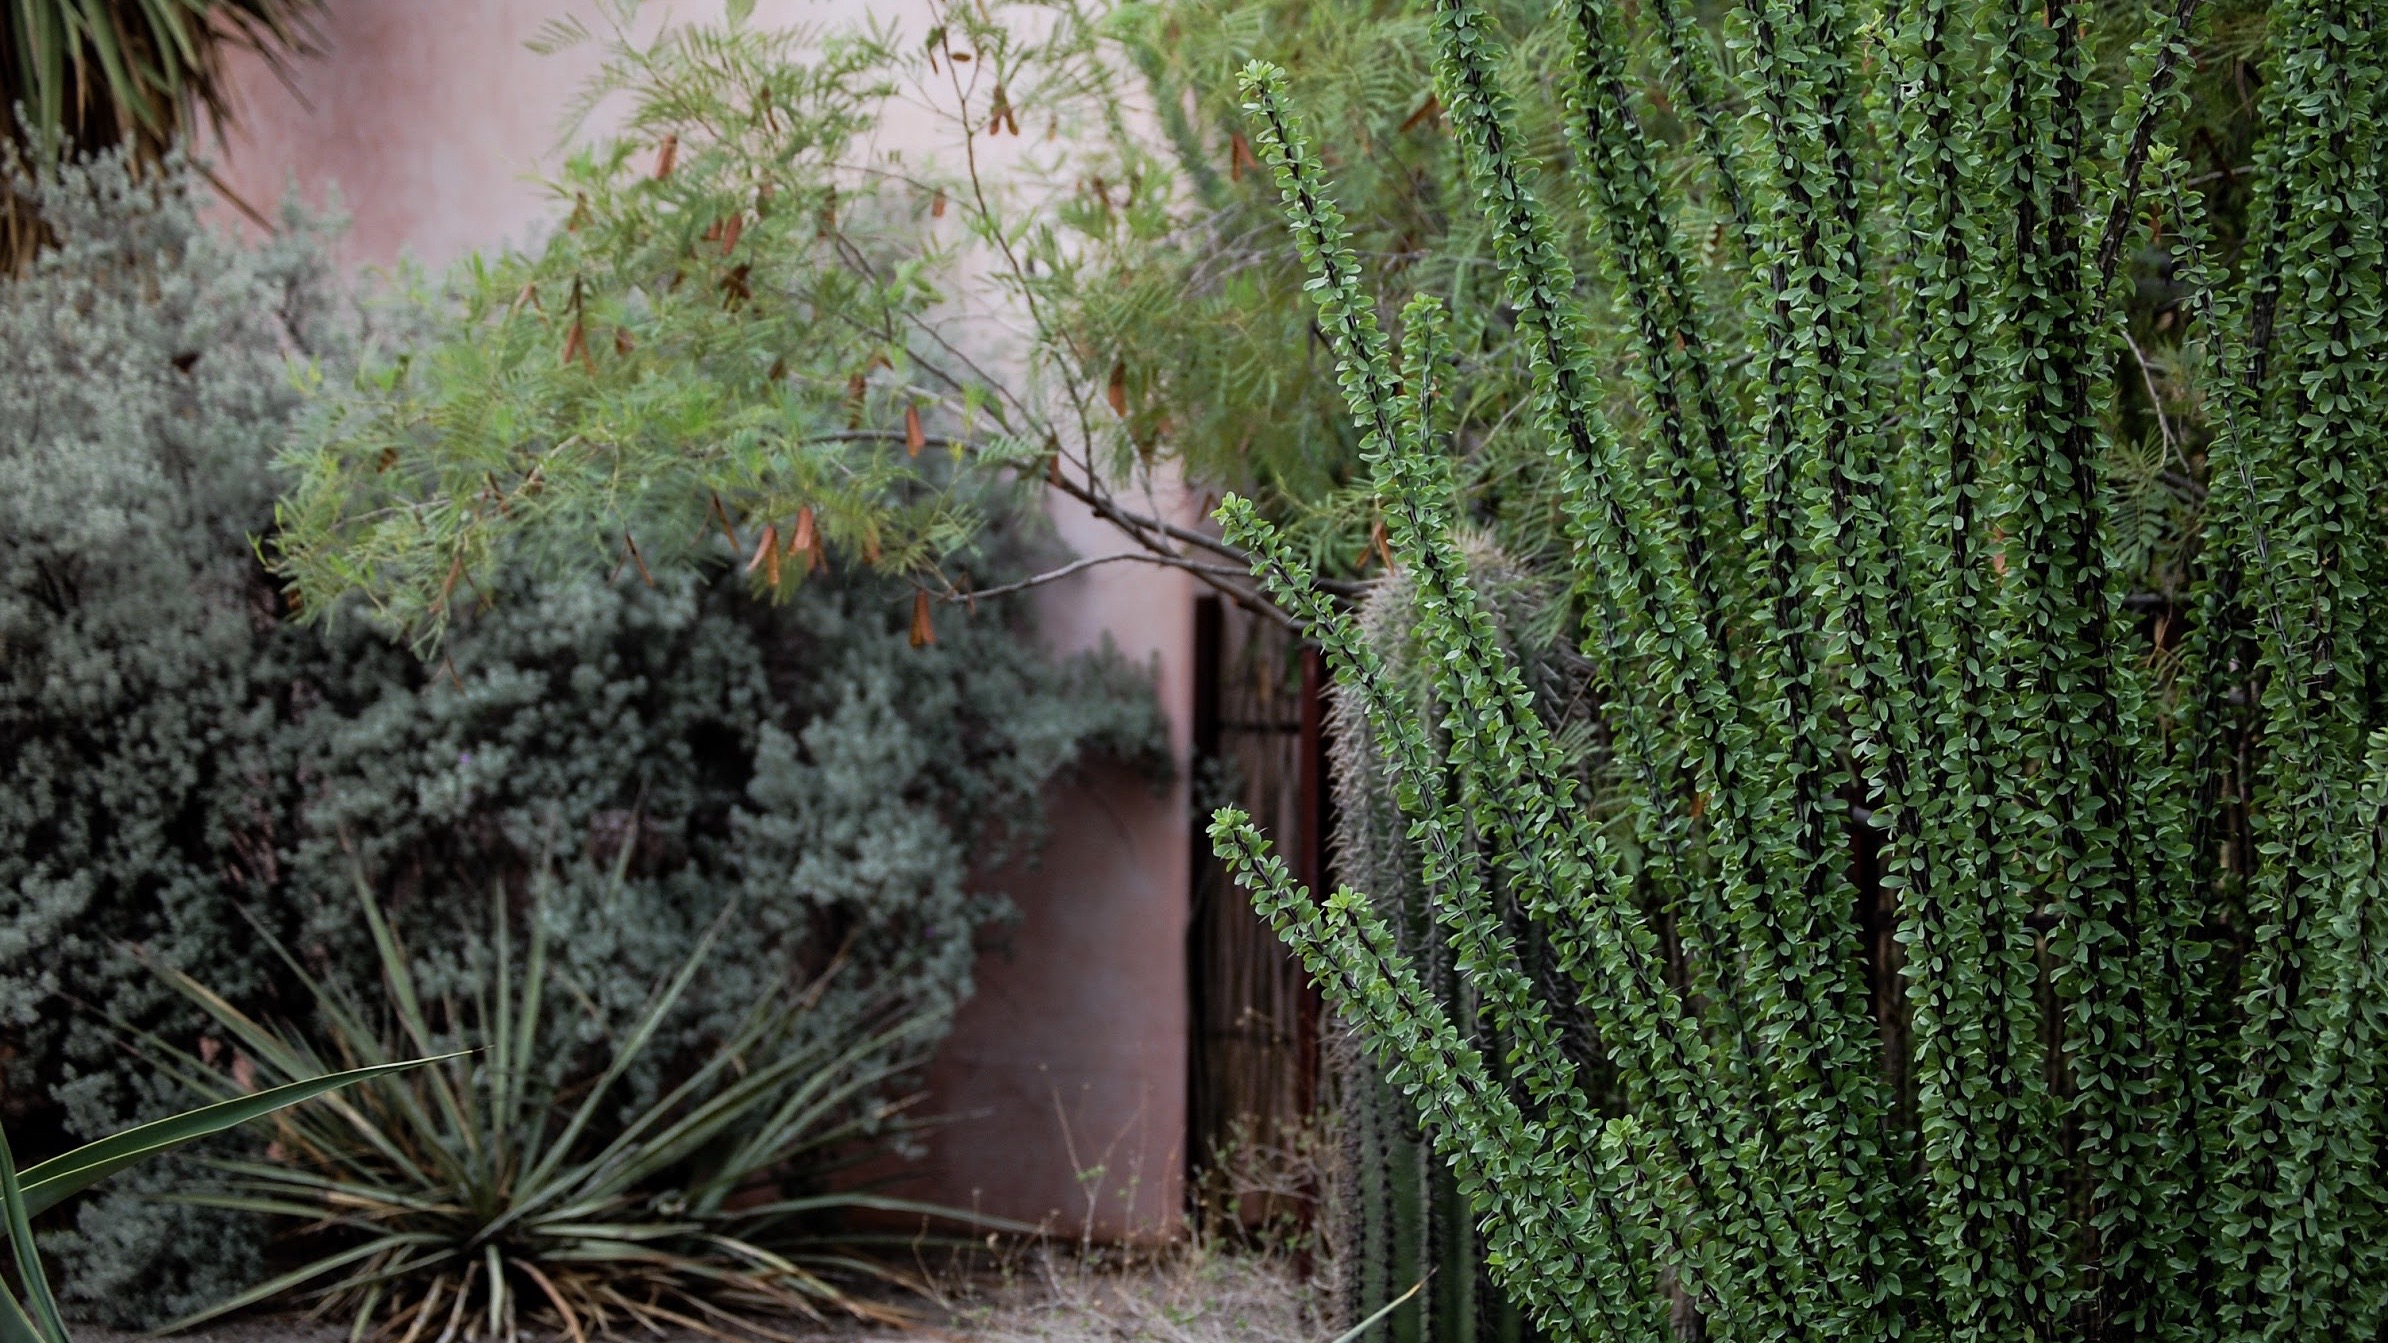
(1846, 574)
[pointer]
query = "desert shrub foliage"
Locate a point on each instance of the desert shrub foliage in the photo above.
(191, 767)
(1833, 474)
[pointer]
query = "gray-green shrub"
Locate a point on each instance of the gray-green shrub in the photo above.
(183, 758)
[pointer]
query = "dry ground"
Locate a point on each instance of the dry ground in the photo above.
(1185, 1294)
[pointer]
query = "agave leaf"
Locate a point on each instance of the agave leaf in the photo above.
(60, 1176)
(36, 1284)
(765, 1148)
(534, 982)
(269, 1048)
(539, 1183)
(790, 1131)
(754, 1254)
(594, 1251)
(398, 973)
(624, 1232)
(264, 1177)
(731, 1053)
(15, 1325)
(496, 1003)
(1348, 1335)
(314, 1214)
(297, 1277)
(294, 1059)
(624, 1163)
(497, 1290)
(590, 1209)
(789, 1207)
(42, 60)
(172, 32)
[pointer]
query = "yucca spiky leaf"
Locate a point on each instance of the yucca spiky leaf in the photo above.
(502, 1190)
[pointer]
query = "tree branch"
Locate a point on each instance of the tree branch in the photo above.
(953, 594)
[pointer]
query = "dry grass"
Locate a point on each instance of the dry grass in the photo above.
(1183, 1293)
(1195, 1288)
(1188, 1293)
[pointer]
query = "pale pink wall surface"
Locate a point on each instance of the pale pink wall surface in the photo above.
(431, 118)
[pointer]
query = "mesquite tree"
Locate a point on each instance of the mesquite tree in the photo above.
(1849, 581)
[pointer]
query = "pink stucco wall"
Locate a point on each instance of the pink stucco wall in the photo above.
(432, 118)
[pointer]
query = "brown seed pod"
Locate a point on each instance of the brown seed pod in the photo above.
(924, 629)
(767, 548)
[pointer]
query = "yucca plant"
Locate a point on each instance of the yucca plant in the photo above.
(28, 1309)
(90, 75)
(1848, 580)
(101, 73)
(505, 1186)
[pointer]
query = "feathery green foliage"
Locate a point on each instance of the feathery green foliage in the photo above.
(696, 347)
(744, 331)
(1202, 314)
(1853, 602)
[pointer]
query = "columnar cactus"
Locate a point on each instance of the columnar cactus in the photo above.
(1847, 577)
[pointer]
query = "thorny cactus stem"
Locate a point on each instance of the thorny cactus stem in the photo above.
(1849, 567)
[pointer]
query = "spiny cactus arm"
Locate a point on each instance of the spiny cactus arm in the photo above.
(2056, 583)
(2241, 634)
(1600, 941)
(1848, 583)
(2320, 1200)
(1664, 650)
(1818, 414)
(1703, 469)
(2316, 369)
(1823, 1046)
(1524, 807)
(1705, 477)
(1701, 94)
(1459, 629)
(2153, 94)
(2308, 347)
(1616, 534)
(1530, 1201)
(2332, 1173)
(1696, 454)
(1985, 1115)
(1467, 646)
(2149, 1105)
(2080, 764)
(1625, 542)
(1453, 873)
(1776, 823)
